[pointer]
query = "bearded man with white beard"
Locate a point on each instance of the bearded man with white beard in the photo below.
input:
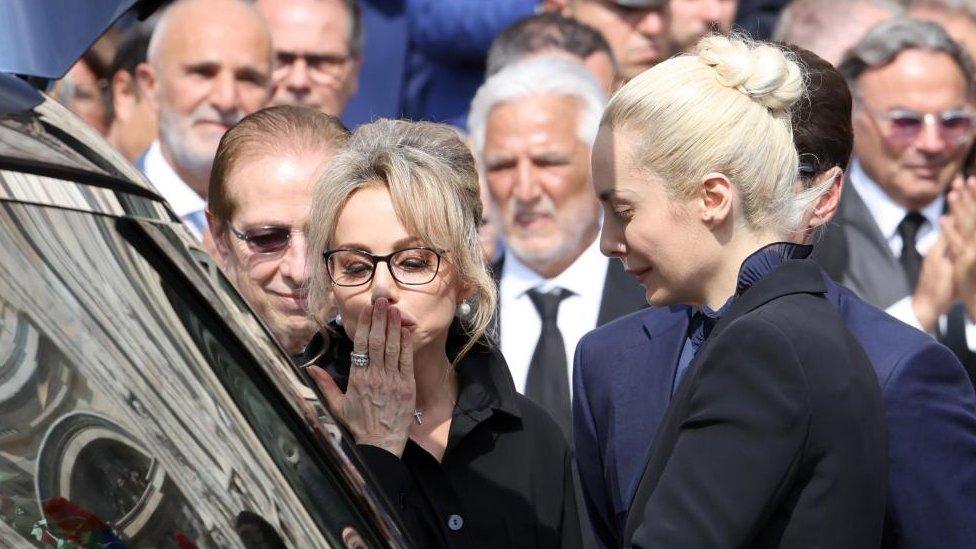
(209, 65)
(533, 125)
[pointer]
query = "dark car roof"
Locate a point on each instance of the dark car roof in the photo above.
(44, 38)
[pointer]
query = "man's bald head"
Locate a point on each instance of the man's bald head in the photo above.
(209, 66)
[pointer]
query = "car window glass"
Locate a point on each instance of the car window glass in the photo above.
(130, 414)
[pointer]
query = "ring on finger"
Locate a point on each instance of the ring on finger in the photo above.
(360, 360)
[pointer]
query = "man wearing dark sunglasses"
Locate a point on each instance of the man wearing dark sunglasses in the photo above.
(913, 128)
(259, 199)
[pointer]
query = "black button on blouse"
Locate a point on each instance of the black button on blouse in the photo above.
(505, 479)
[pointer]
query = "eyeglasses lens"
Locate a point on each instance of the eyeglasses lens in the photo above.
(267, 239)
(953, 126)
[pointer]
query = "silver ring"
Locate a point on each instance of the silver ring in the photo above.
(359, 359)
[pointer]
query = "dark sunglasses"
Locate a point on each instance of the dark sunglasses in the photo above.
(265, 240)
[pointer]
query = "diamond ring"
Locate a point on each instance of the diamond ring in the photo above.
(359, 359)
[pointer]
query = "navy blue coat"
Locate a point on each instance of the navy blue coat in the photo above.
(622, 386)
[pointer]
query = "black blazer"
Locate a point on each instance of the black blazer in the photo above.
(776, 436)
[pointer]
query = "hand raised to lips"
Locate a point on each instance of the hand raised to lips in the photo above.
(380, 399)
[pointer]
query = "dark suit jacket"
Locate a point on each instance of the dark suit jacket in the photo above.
(854, 253)
(622, 385)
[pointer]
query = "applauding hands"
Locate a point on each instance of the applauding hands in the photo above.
(949, 271)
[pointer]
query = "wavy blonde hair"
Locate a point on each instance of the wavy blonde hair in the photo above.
(725, 109)
(433, 183)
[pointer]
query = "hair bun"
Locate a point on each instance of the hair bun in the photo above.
(763, 72)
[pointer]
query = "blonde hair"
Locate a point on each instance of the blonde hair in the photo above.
(726, 110)
(433, 183)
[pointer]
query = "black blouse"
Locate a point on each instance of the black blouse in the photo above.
(505, 479)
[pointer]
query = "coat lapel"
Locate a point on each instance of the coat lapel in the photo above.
(639, 412)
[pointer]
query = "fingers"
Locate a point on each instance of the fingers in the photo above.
(359, 345)
(377, 333)
(406, 353)
(392, 358)
(333, 395)
(953, 238)
(962, 205)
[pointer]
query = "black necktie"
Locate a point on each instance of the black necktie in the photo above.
(910, 259)
(548, 380)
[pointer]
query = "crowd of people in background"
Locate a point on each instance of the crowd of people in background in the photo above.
(430, 204)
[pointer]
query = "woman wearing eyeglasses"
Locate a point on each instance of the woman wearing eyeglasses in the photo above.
(774, 435)
(394, 249)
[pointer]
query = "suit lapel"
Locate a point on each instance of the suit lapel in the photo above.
(655, 363)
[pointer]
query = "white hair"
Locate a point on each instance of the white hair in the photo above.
(539, 76)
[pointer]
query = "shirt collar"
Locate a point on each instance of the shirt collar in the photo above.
(517, 278)
(756, 266)
(168, 183)
(887, 213)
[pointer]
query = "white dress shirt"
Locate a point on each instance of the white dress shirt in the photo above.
(521, 325)
(888, 215)
(187, 204)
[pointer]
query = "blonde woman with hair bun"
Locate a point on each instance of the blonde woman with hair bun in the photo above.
(774, 434)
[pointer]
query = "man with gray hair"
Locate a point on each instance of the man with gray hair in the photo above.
(829, 27)
(208, 66)
(913, 128)
(533, 125)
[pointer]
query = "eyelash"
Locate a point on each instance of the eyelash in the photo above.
(624, 213)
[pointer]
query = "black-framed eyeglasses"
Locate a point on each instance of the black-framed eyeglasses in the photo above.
(410, 266)
(265, 240)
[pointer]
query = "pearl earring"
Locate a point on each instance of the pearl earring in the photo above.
(338, 319)
(464, 309)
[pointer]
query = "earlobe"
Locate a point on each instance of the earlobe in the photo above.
(717, 193)
(123, 86)
(829, 202)
(146, 80)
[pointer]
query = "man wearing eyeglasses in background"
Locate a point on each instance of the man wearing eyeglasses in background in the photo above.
(913, 127)
(259, 199)
(317, 45)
